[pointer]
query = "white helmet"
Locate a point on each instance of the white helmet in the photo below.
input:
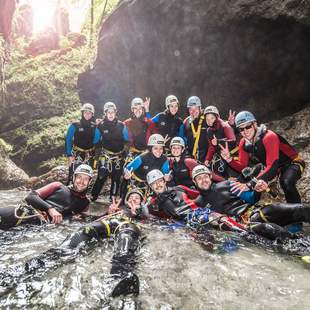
(88, 107)
(198, 170)
(171, 99)
(211, 109)
(156, 140)
(153, 176)
(83, 169)
(193, 101)
(177, 141)
(136, 102)
(109, 106)
(134, 191)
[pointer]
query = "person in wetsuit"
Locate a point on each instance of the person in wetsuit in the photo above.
(140, 126)
(111, 151)
(168, 123)
(154, 158)
(195, 130)
(226, 198)
(219, 132)
(270, 149)
(52, 202)
(81, 138)
(119, 226)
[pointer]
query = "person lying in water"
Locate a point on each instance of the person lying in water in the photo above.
(219, 205)
(226, 198)
(117, 225)
(53, 202)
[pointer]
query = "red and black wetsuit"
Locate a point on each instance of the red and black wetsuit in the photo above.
(175, 202)
(223, 133)
(278, 156)
(196, 129)
(56, 195)
(139, 131)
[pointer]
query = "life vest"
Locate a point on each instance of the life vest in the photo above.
(112, 135)
(84, 134)
(168, 124)
(149, 162)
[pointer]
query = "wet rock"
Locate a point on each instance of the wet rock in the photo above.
(233, 53)
(58, 173)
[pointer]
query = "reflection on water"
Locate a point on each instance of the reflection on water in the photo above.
(175, 273)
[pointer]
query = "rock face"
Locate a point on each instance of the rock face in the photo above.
(10, 175)
(240, 54)
(296, 129)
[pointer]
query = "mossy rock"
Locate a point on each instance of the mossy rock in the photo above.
(40, 143)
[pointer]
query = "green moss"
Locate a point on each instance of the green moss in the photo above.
(5, 148)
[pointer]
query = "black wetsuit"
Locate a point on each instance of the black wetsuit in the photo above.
(111, 156)
(191, 131)
(219, 198)
(54, 195)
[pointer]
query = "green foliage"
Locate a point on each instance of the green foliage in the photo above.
(5, 148)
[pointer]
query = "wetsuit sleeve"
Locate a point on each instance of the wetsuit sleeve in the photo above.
(155, 119)
(250, 196)
(148, 115)
(271, 143)
(211, 151)
(190, 163)
(243, 159)
(165, 167)
(191, 193)
(181, 133)
(97, 136)
(135, 164)
(229, 132)
(36, 198)
(125, 133)
(69, 139)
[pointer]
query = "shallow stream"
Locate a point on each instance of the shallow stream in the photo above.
(175, 272)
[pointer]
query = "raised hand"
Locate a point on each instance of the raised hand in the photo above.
(114, 207)
(167, 138)
(127, 174)
(214, 140)
(147, 103)
(231, 117)
(225, 153)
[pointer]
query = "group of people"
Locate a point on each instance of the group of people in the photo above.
(196, 171)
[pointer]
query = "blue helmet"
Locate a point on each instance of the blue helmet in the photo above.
(193, 101)
(244, 117)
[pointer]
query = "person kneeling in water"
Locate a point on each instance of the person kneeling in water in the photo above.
(52, 202)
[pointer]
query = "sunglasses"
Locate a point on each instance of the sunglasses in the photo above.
(246, 127)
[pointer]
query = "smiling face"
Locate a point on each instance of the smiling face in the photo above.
(159, 186)
(81, 182)
(248, 131)
(135, 200)
(138, 111)
(203, 181)
(176, 150)
(210, 118)
(110, 114)
(157, 150)
(173, 108)
(87, 115)
(194, 112)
